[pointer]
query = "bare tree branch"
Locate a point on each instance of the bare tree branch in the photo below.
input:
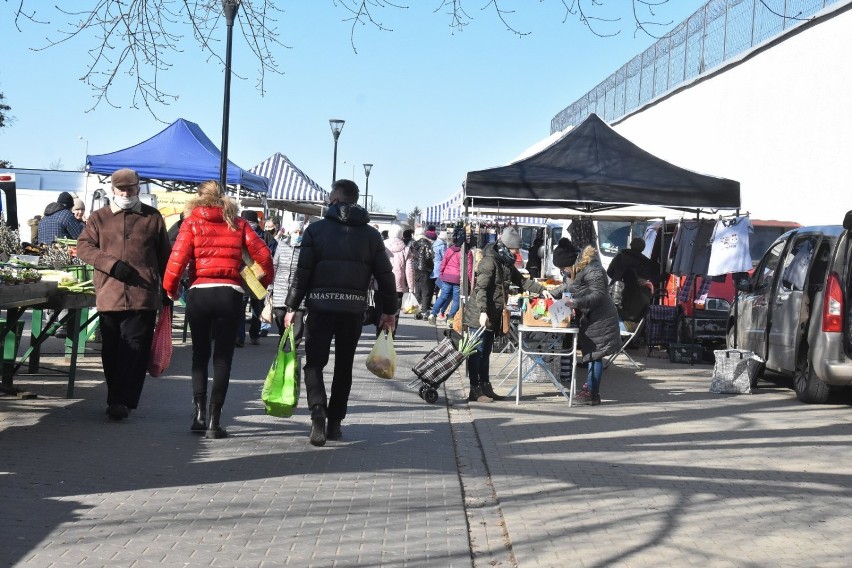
(136, 39)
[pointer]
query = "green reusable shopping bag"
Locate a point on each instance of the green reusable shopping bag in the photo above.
(281, 388)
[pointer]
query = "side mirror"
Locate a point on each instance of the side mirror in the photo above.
(847, 221)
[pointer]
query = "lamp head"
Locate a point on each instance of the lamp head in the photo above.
(367, 168)
(336, 126)
(230, 8)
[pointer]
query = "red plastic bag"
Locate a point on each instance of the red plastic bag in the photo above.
(161, 347)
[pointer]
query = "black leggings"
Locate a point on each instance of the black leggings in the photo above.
(214, 317)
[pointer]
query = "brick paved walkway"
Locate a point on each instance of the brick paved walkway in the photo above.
(663, 473)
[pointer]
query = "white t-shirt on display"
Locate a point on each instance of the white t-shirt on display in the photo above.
(729, 250)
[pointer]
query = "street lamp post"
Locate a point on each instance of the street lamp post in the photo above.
(86, 155)
(336, 126)
(367, 168)
(230, 8)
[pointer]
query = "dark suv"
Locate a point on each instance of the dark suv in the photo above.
(794, 309)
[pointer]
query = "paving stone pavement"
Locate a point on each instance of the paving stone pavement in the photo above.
(662, 473)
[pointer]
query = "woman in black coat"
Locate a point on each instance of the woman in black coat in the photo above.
(598, 318)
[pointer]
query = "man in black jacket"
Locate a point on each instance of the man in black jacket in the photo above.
(338, 258)
(632, 267)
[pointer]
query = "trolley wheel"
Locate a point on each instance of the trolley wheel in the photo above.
(422, 390)
(431, 395)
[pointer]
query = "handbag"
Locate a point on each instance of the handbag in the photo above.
(280, 392)
(266, 314)
(370, 316)
(505, 317)
(161, 346)
(458, 320)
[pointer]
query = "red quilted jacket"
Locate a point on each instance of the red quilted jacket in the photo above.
(213, 251)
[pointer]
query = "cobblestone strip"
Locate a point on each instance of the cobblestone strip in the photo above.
(490, 544)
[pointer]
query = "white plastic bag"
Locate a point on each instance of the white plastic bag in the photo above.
(560, 312)
(410, 304)
(382, 358)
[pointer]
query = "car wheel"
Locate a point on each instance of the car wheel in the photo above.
(809, 388)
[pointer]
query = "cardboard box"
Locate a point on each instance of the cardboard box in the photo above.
(531, 313)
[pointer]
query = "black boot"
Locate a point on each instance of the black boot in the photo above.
(199, 416)
(318, 426)
(214, 431)
(333, 431)
(476, 395)
(596, 398)
(488, 391)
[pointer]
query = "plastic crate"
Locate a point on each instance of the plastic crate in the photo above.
(687, 353)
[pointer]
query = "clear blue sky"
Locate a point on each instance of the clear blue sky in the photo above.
(424, 104)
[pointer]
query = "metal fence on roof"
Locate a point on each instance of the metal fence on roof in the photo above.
(719, 31)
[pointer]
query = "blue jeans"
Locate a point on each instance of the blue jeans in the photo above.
(477, 363)
(593, 380)
(447, 290)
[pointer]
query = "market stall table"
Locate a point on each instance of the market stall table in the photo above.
(67, 309)
(553, 348)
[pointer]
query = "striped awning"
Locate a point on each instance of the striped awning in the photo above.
(452, 209)
(287, 182)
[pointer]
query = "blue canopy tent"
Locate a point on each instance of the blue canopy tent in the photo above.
(180, 155)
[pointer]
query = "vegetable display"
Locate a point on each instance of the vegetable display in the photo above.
(470, 341)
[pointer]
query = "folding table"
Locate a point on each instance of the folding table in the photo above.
(553, 344)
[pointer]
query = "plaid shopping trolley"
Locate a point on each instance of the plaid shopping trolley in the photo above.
(435, 368)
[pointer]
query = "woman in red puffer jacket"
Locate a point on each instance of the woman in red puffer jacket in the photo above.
(210, 242)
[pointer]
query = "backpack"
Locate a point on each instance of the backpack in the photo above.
(425, 259)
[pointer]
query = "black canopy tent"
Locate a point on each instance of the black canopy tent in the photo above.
(594, 168)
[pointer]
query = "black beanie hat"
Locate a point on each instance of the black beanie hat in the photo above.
(565, 254)
(65, 200)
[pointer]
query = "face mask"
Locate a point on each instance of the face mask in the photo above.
(125, 202)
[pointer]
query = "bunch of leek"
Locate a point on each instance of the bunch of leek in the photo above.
(470, 341)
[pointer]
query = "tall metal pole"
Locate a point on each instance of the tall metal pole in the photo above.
(336, 126)
(230, 8)
(367, 169)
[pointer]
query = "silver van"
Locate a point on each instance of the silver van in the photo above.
(794, 310)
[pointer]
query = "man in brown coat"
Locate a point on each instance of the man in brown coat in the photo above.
(127, 243)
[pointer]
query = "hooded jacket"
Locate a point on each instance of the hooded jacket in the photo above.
(58, 222)
(491, 289)
(402, 264)
(214, 251)
(339, 256)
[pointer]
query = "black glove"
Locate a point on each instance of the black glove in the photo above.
(167, 302)
(123, 271)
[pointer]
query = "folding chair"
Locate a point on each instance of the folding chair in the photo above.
(626, 338)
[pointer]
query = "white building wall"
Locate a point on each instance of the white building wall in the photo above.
(780, 123)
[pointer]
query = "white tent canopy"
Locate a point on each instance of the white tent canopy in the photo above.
(287, 182)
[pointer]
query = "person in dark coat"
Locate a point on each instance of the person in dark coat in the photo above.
(535, 254)
(599, 335)
(633, 268)
(494, 274)
(338, 258)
